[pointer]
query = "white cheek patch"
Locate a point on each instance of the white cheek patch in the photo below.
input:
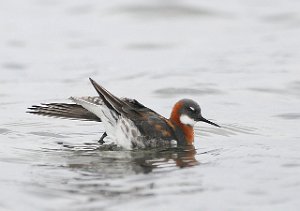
(186, 120)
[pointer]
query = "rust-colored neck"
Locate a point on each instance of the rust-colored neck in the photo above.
(187, 129)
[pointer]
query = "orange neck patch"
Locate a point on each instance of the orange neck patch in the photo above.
(187, 130)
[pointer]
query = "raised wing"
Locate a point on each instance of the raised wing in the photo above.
(127, 107)
(74, 111)
(64, 110)
(146, 120)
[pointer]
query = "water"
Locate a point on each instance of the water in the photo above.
(239, 60)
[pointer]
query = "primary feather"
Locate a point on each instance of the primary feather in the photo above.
(64, 110)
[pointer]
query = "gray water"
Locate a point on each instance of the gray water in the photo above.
(238, 59)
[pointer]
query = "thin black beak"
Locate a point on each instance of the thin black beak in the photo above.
(202, 119)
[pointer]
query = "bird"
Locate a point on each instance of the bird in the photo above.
(127, 122)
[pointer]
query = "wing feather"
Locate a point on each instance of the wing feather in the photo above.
(64, 110)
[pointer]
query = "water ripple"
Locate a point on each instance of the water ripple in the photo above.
(48, 134)
(289, 116)
(164, 10)
(226, 130)
(172, 91)
(13, 66)
(4, 131)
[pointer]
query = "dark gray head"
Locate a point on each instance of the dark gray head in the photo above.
(188, 112)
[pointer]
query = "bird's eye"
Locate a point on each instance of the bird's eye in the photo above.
(192, 109)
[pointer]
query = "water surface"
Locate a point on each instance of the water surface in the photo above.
(239, 60)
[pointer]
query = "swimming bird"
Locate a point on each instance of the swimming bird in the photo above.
(128, 122)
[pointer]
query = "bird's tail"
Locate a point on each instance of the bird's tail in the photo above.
(64, 110)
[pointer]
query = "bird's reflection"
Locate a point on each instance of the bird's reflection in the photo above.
(105, 173)
(175, 157)
(108, 162)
